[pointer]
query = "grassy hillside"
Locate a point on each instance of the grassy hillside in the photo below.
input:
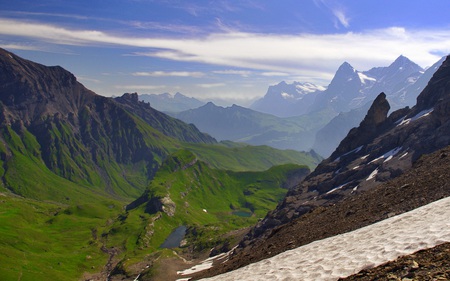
(48, 241)
(209, 202)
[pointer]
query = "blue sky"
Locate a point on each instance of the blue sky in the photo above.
(225, 51)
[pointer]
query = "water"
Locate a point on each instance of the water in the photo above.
(242, 214)
(174, 238)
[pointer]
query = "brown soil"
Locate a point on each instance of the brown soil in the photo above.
(427, 181)
(430, 264)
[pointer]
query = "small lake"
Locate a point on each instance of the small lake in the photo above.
(242, 214)
(175, 238)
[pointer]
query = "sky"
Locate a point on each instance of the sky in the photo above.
(223, 51)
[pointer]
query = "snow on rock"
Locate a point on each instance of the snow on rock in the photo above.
(349, 253)
(337, 188)
(365, 78)
(419, 115)
(388, 155)
(372, 175)
(356, 150)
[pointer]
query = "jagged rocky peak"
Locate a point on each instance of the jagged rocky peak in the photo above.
(375, 119)
(378, 112)
(403, 61)
(131, 97)
(344, 74)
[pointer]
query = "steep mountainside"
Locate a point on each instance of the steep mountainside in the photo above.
(382, 148)
(171, 103)
(80, 136)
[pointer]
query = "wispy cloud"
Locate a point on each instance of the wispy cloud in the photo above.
(341, 17)
(243, 73)
(140, 87)
(170, 74)
(211, 85)
(19, 47)
(275, 74)
(338, 11)
(306, 55)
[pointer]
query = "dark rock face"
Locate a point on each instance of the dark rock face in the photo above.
(381, 148)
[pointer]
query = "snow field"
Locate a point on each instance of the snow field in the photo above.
(349, 253)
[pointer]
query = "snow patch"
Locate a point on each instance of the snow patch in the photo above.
(349, 253)
(286, 96)
(388, 155)
(356, 150)
(337, 188)
(372, 175)
(365, 78)
(419, 115)
(309, 88)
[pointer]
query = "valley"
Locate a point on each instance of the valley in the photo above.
(98, 188)
(93, 186)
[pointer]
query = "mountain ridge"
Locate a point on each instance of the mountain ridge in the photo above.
(382, 148)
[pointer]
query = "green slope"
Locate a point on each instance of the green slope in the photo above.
(209, 202)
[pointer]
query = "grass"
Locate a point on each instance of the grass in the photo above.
(48, 241)
(206, 200)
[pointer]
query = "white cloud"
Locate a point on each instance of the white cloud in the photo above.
(132, 88)
(170, 74)
(211, 85)
(341, 17)
(302, 55)
(275, 74)
(243, 73)
(18, 47)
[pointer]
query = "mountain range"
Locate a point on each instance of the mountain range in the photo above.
(379, 170)
(171, 103)
(93, 187)
(241, 124)
(303, 116)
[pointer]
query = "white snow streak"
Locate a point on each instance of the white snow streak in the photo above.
(348, 253)
(419, 115)
(372, 175)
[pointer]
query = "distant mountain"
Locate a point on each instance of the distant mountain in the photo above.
(351, 88)
(286, 100)
(328, 137)
(171, 103)
(241, 124)
(323, 116)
